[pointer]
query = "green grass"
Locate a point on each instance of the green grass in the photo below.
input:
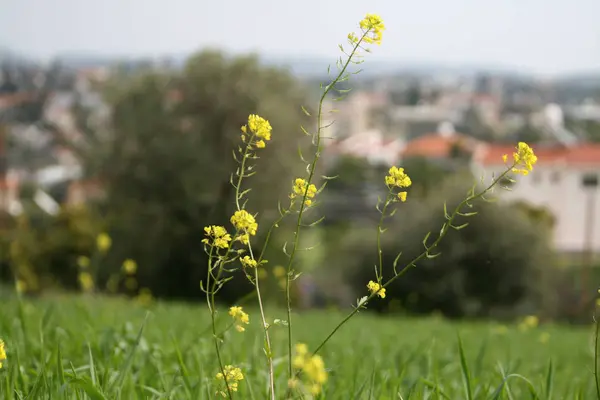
(77, 348)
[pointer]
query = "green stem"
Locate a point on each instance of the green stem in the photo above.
(241, 174)
(268, 350)
(379, 227)
(303, 203)
(596, 339)
(210, 299)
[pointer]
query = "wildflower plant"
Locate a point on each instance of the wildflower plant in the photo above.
(229, 247)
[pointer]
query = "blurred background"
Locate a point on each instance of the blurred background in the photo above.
(118, 118)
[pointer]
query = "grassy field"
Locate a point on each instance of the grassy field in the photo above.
(77, 347)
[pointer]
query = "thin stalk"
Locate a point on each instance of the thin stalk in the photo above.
(267, 336)
(596, 377)
(379, 228)
(303, 203)
(256, 281)
(210, 299)
(241, 174)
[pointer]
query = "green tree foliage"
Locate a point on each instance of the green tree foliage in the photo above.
(528, 134)
(166, 161)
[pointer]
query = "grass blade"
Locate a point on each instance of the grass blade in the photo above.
(465, 370)
(88, 387)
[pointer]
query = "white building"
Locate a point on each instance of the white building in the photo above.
(565, 180)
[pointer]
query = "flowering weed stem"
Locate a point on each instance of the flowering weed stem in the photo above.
(312, 168)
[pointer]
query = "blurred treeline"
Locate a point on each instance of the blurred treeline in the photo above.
(163, 160)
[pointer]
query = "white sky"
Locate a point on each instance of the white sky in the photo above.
(542, 36)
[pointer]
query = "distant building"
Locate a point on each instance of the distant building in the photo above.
(565, 181)
(370, 145)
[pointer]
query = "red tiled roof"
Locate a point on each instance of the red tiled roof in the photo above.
(582, 154)
(10, 100)
(436, 146)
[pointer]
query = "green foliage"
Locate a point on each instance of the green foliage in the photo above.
(528, 134)
(41, 250)
(67, 348)
(167, 167)
(491, 266)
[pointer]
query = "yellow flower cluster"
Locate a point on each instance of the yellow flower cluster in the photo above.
(312, 367)
(218, 234)
(232, 376)
(248, 262)
(398, 178)
(145, 297)
(375, 287)
(83, 262)
(103, 242)
(524, 158)
(2, 352)
(300, 187)
(245, 223)
(86, 281)
(372, 30)
(259, 127)
(129, 266)
(20, 286)
(529, 322)
(240, 318)
(373, 27)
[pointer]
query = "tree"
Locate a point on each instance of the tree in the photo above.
(166, 161)
(528, 134)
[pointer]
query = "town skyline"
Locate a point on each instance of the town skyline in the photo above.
(545, 38)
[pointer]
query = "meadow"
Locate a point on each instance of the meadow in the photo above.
(77, 347)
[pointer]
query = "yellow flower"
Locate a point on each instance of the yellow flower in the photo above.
(525, 158)
(352, 38)
(244, 238)
(300, 188)
(129, 266)
(248, 262)
(313, 368)
(259, 127)
(375, 287)
(397, 178)
(372, 27)
(219, 235)
(86, 281)
(279, 271)
(402, 196)
(231, 378)
(531, 321)
(145, 297)
(83, 262)
(2, 352)
(20, 286)
(103, 242)
(505, 158)
(245, 222)
(240, 317)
